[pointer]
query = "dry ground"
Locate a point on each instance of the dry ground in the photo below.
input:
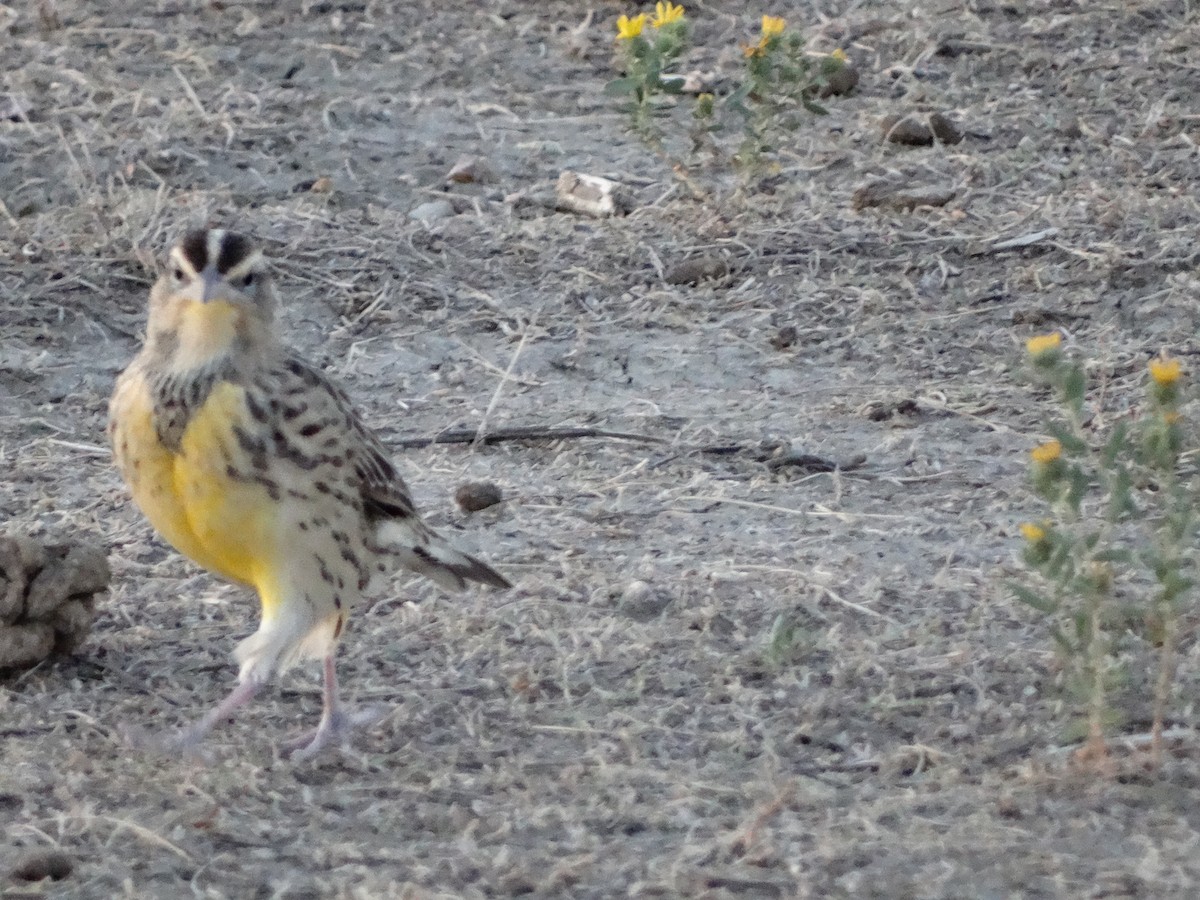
(582, 735)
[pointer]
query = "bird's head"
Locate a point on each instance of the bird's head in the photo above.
(216, 266)
(214, 299)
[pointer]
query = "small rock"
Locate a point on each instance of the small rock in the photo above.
(432, 211)
(954, 46)
(882, 192)
(881, 410)
(38, 865)
(693, 82)
(1039, 317)
(945, 129)
(785, 337)
(1070, 128)
(915, 132)
(842, 81)
(469, 169)
(697, 269)
(1008, 807)
(809, 462)
(642, 602)
(591, 195)
(906, 130)
(473, 496)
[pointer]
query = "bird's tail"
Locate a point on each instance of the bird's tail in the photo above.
(428, 553)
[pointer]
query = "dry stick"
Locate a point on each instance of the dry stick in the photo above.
(190, 92)
(4, 211)
(827, 591)
(520, 433)
(1024, 240)
(146, 834)
(752, 504)
(1182, 733)
(88, 449)
(748, 835)
(479, 436)
(850, 604)
(556, 433)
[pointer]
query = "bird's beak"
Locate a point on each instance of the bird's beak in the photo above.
(210, 285)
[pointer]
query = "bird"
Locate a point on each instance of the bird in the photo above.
(254, 464)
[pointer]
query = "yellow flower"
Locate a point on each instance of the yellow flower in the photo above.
(839, 54)
(1043, 343)
(772, 25)
(1165, 371)
(628, 28)
(666, 13)
(1033, 533)
(1046, 453)
(758, 49)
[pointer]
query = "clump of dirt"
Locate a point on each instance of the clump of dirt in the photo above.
(476, 495)
(47, 598)
(38, 865)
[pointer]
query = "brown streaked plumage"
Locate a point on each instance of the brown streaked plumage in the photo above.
(253, 464)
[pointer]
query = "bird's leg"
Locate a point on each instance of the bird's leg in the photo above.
(336, 721)
(189, 738)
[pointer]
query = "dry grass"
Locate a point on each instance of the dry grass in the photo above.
(820, 686)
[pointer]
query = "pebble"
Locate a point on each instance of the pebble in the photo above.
(473, 496)
(38, 865)
(432, 211)
(642, 602)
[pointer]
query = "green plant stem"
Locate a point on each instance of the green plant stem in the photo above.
(1095, 651)
(1176, 526)
(1162, 685)
(1095, 654)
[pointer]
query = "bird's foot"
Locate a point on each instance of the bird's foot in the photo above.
(335, 728)
(185, 742)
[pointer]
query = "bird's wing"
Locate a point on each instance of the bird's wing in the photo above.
(384, 493)
(386, 501)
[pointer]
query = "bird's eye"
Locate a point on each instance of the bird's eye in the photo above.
(248, 280)
(178, 274)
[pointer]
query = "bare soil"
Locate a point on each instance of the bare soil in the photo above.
(716, 677)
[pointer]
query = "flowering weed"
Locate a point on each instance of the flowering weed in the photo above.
(1114, 556)
(648, 56)
(780, 83)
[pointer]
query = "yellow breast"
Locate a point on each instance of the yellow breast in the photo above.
(223, 523)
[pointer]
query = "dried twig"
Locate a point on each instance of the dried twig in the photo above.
(480, 435)
(520, 433)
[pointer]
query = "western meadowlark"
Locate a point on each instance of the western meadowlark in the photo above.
(253, 464)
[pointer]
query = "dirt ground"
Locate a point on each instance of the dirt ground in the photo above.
(717, 676)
